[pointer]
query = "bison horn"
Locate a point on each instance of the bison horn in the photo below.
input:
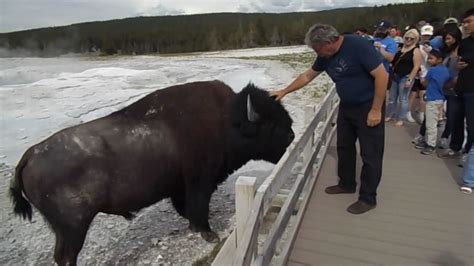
(252, 116)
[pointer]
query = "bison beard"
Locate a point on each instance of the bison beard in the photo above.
(178, 143)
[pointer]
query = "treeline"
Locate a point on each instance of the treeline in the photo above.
(208, 32)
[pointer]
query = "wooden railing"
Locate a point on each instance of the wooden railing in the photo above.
(303, 160)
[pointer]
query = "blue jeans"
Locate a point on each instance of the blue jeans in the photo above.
(469, 112)
(398, 93)
(468, 175)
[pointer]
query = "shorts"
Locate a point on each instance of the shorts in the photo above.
(417, 86)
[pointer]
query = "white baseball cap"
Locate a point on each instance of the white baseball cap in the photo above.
(426, 30)
(451, 20)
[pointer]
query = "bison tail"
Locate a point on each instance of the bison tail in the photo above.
(21, 206)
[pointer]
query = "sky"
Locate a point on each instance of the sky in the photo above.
(18, 15)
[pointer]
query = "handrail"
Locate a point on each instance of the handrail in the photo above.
(247, 245)
(281, 222)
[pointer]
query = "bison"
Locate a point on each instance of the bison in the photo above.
(179, 142)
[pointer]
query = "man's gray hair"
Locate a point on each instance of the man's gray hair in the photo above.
(321, 33)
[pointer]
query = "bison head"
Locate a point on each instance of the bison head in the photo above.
(263, 124)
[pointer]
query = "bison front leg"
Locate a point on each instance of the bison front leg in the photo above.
(197, 211)
(179, 204)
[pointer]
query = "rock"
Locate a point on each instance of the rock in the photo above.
(154, 241)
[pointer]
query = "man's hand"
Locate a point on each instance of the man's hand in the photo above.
(461, 64)
(278, 94)
(427, 48)
(374, 117)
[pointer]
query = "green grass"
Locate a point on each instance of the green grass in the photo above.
(209, 258)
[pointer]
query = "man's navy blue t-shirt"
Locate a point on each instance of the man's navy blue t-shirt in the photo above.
(350, 69)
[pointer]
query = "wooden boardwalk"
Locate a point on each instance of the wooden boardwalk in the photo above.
(421, 219)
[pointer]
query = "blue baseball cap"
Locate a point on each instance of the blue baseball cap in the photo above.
(384, 25)
(437, 52)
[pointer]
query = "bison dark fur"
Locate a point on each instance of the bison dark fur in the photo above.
(178, 143)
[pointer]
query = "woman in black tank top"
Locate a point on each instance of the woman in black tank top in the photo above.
(405, 66)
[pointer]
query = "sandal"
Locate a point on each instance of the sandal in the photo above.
(399, 124)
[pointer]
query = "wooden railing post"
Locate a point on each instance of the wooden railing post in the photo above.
(244, 195)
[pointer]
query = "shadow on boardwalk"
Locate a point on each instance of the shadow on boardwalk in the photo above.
(421, 219)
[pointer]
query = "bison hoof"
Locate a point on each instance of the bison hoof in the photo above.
(210, 236)
(193, 228)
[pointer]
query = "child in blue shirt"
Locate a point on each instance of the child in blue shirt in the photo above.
(436, 78)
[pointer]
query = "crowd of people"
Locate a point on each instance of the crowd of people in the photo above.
(431, 63)
(431, 82)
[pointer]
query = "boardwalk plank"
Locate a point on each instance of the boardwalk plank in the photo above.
(450, 233)
(457, 215)
(447, 200)
(415, 239)
(421, 217)
(306, 257)
(295, 263)
(350, 253)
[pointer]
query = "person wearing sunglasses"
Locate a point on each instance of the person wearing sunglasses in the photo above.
(405, 66)
(418, 90)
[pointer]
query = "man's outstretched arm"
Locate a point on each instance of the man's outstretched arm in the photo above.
(301, 81)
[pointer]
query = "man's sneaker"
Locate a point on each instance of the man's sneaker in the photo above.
(449, 154)
(410, 117)
(427, 150)
(420, 145)
(443, 143)
(466, 189)
(462, 160)
(360, 207)
(418, 139)
(338, 190)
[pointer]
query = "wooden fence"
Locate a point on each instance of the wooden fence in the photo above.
(302, 160)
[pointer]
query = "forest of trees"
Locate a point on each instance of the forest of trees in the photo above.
(219, 31)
